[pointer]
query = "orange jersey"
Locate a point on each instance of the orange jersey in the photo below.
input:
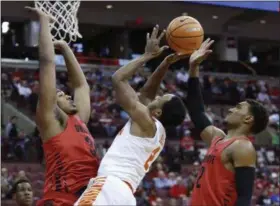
(71, 159)
(215, 185)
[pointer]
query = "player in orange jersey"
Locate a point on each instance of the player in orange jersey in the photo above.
(227, 172)
(142, 138)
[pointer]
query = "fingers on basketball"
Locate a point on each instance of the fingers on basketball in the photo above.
(182, 56)
(162, 35)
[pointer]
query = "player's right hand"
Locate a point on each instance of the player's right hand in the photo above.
(40, 13)
(201, 54)
(152, 43)
(60, 44)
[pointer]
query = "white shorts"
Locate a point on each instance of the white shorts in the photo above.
(108, 190)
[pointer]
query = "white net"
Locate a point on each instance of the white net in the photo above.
(65, 14)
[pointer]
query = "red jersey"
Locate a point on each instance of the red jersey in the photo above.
(71, 159)
(215, 185)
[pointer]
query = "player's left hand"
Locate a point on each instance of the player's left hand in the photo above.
(173, 58)
(202, 53)
(152, 43)
(40, 14)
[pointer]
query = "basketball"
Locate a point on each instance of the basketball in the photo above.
(184, 34)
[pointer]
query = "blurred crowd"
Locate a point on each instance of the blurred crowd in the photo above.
(107, 117)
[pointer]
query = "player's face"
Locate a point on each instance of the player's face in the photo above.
(24, 194)
(65, 103)
(156, 105)
(238, 115)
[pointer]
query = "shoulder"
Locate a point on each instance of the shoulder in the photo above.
(243, 153)
(243, 144)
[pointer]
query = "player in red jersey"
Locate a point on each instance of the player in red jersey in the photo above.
(227, 172)
(68, 146)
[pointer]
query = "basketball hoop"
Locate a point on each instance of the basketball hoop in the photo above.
(65, 25)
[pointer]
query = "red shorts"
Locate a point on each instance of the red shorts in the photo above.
(57, 199)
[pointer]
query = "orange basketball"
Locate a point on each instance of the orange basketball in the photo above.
(184, 34)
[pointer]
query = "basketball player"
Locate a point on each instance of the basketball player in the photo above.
(227, 172)
(141, 140)
(68, 146)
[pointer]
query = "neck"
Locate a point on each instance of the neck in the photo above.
(238, 132)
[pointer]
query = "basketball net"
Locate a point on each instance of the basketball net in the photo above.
(65, 27)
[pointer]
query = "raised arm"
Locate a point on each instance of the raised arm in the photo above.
(127, 98)
(125, 94)
(47, 75)
(244, 162)
(77, 79)
(194, 100)
(151, 87)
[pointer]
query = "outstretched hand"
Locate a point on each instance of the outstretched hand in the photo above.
(40, 13)
(152, 43)
(202, 53)
(172, 58)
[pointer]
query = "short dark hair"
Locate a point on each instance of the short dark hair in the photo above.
(173, 112)
(260, 115)
(19, 181)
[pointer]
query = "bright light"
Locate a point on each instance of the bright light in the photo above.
(254, 59)
(5, 27)
(262, 21)
(109, 6)
(215, 17)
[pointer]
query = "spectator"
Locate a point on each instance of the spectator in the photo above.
(211, 116)
(179, 190)
(161, 182)
(11, 129)
(23, 89)
(20, 145)
(172, 202)
(263, 96)
(171, 179)
(33, 98)
(23, 193)
(263, 199)
(21, 175)
(275, 197)
(5, 183)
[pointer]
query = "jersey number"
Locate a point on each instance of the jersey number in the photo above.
(151, 159)
(201, 172)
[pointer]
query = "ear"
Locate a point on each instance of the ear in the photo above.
(248, 119)
(157, 112)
